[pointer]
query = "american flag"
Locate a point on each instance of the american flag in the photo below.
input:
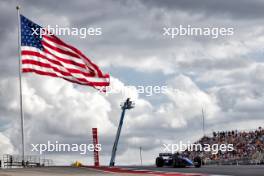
(48, 55)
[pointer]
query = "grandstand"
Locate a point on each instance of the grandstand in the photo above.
(248, 147)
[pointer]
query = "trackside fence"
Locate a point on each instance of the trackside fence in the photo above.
(16, 161)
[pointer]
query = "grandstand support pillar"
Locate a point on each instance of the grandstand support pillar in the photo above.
(95, 143)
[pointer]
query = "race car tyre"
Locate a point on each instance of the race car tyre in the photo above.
(159, 162)
(176, 162)
(197, 162)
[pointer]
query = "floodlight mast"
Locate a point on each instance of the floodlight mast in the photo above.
(128, 104)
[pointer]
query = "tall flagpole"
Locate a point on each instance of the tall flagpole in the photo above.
(203, 122)
(20, 87)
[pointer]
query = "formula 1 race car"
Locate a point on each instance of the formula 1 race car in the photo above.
(177, 160)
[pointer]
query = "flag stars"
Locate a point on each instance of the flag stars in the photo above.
(27, 36)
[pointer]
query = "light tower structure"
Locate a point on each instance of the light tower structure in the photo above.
(128, 104)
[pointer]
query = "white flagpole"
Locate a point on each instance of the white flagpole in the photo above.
(20, 86)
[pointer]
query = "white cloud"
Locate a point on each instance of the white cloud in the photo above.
(5, 145)
(188, 99)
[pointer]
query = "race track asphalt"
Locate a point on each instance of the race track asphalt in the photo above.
(241, 170)
(255, 170)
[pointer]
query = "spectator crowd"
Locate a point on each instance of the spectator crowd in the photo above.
(248, 146)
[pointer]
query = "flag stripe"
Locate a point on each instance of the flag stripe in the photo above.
(69, 67)
(53, 42)
(51, 72)
(36, 61)
(59, 50)
(27, 54)
(61, 55)
(94, 84)
(47, 54)
(58, 72)
(59, 41)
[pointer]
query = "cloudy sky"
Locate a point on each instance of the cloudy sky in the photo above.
(225, 76)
